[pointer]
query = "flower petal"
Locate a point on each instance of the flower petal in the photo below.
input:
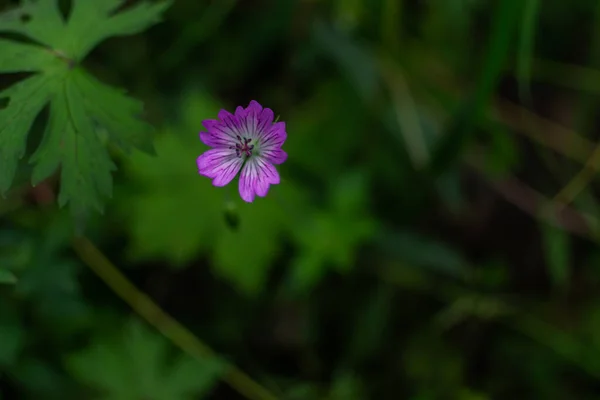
(230, 121)
(219, 130)
(250, 121)
(267, 171)
(240, 113)
(274, 137)
(254, 107)
(257, 120)
(220, 164)
(274, 155)
(265, 120)
(212, 140)
(256, 177)
(246, 184)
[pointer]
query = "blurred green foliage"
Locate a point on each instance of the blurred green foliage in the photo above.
(435, 234)
(136, 367)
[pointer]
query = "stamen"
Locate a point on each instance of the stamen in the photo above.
(243, 147)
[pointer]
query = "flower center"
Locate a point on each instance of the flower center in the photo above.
(244, 147)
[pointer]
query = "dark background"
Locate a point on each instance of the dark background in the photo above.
(416, 247)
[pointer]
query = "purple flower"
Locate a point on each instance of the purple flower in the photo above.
(247, 140)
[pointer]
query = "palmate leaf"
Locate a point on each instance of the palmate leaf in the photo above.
(332, 237)
(79, 104)
(137, 365)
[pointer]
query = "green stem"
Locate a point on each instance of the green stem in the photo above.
(162, 321)
(526, 48)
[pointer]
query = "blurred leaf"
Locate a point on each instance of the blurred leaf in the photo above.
(12, 336)
(244, 256)
(136, 366)
(48, 278)
(17, 249)
(469, 306)
(562, 343)
(320, 128)
(370, 325)
(195, 31)
(50, 281)
(526, 48)
(585, 120)
(331, 238)
(11, 342)
(178, 215)
(432, 364)
(390, 25)
(404, 118)
(95, 21)
(423, 252)
(446, 28)
(302, 391)
(41, 379)
(7, 277)
(355, 61)
(557, 250)
(469, 394)
(346, 386)
(591, 325)
(461, 129)
(348, 13)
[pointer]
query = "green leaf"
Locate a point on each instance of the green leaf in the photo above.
(12, 336)
(99, 21)
(526, 48)
(354, 60)
(90, 23)
(40, 379)
(110, 108)
(462, 128)
(333, 108)
(135, 366)
(332, 237)
(7, 277)
(71, 141)
(447, 27)
(26, 100)
(11, 339)
(39, 20)
(17, 250)
(79, 104)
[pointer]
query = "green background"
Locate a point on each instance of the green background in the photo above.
(433, 236)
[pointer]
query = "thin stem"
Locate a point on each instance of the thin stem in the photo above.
(162, 321)
(536, 204)
(526, 49)
(580, 181)
(511, 314)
